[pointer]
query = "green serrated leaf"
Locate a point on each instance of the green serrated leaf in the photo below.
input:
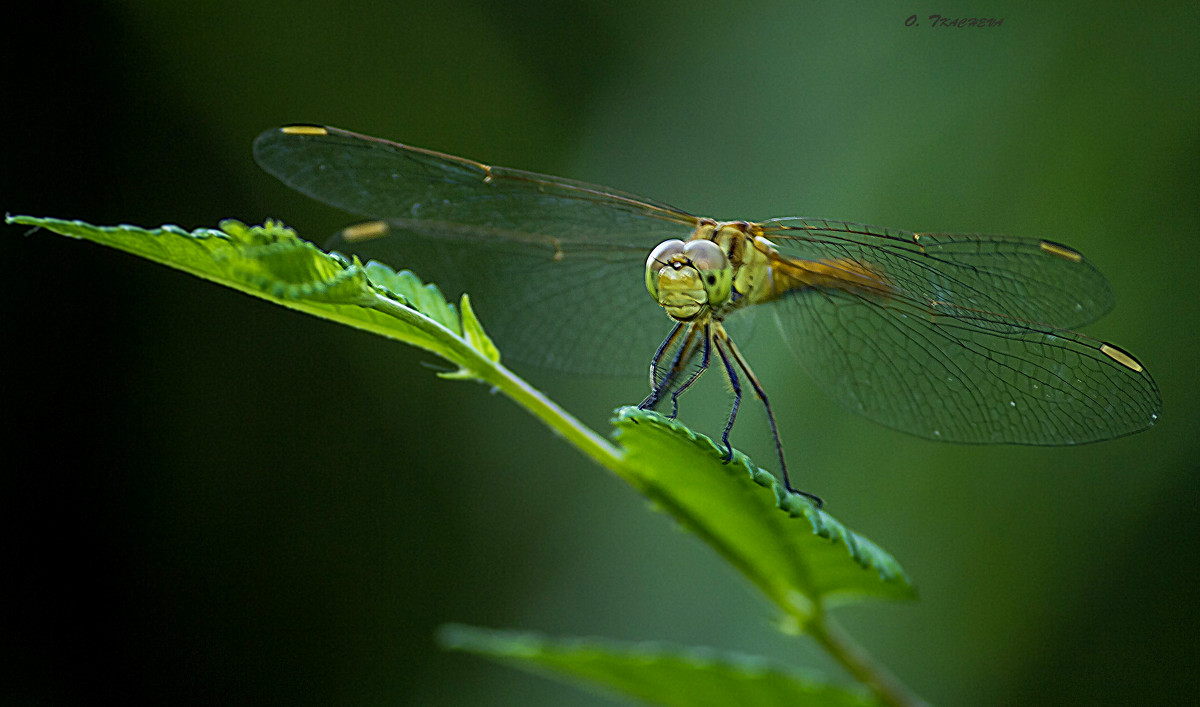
(657, 673)
(272, 262)
(272, 259)
(798, 555)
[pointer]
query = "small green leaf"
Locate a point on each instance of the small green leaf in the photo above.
(798, 555)
(475, 334)
(478, 340)
(655, 672)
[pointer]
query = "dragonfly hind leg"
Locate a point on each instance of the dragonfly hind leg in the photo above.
(737, 401)
(762, 395)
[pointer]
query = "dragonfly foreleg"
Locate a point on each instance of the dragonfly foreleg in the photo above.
(704, 360)
(662, 349)
(663, 379)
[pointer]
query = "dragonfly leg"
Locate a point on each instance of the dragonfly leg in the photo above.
(662, 378)
(662, 349)
(762, 395)
(695, 376)
(737, 400)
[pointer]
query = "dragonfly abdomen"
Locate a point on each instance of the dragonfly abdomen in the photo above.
(838, 275)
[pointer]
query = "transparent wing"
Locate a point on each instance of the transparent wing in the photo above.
(1022, 278)
(969, 342)
(553, 266)
(587, 312)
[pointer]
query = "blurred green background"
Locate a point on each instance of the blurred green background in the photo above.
(210, 499)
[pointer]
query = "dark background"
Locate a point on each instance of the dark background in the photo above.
(210, 499)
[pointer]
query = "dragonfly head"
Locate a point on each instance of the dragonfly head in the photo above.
(686, 278)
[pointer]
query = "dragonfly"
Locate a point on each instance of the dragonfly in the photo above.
(954, 337)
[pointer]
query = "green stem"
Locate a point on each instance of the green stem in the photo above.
(557, 419)
(479, 367)
(838, 644)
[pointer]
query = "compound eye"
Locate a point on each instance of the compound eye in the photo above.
(705, 256)
(713, 267)
(659, 258)
(663, 252)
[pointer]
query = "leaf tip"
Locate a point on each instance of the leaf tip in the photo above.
(473, 331)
